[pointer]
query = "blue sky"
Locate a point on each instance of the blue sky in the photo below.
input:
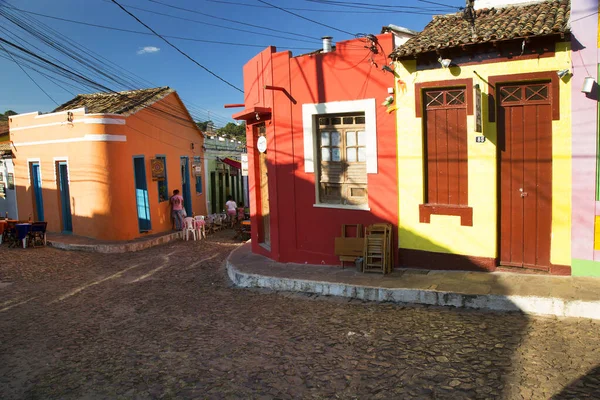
(153, 60)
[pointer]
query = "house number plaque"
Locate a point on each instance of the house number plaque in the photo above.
(479, 139)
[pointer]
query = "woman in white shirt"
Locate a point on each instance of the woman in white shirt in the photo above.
(231, 207)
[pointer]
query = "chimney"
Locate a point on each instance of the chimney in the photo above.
(326, 44)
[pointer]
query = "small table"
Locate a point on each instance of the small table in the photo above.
(245, 227)
(23, 230)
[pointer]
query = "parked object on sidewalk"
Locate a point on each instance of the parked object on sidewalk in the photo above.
(378, 249)
(243, 230)
(188, 227)
(349, 248)
(38, 233)
(200, 225)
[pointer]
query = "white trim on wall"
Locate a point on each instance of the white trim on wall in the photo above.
(309, 128)
(75, 110)
(86, 138)
(103, 121)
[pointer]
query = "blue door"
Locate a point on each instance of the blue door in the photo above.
(65, 197)
(36, 180)
(141, 194)
(185, 185)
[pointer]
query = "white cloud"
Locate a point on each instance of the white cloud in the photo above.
(148, 49)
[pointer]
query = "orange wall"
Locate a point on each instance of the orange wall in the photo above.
(101, 175)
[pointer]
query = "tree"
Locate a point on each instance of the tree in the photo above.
(8, 113)
(232, 130)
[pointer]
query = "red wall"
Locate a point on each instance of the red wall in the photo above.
(302, 233)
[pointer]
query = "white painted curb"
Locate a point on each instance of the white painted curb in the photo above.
(526, 304)
(117, 248)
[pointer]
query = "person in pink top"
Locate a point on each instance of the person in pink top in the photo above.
(177, 209)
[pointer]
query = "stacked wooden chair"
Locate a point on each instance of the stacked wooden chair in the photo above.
(377, 255)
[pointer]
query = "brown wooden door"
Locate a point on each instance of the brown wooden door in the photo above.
(525, 144)
(265, 231)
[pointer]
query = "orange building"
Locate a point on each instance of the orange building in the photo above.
(104, 165)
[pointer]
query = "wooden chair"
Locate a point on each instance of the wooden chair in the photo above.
(38, 233)
(378, 249)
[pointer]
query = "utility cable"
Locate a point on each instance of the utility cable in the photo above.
(216, 25)
(177, 48)
(234, 21)
(305, 18)
(29, 76)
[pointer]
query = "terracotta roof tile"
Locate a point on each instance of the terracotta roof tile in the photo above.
(491, 24)
(125, 103)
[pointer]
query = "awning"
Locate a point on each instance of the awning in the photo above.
(253, 114)
(231, 162)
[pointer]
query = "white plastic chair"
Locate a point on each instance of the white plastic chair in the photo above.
(200, 226)
(188, 226)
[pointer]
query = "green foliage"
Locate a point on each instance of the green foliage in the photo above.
(232, 130)
(8, 113)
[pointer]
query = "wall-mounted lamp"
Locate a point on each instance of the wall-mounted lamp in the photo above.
(445, 62)
(69, 116)
(192, 146)
(257, 117)
(588, 85)
(562, 73)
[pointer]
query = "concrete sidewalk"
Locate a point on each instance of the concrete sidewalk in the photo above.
(80, 243)
(532, 294)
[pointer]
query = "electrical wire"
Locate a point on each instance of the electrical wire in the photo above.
(305, 18)
(216, 25)
(234, 21)
(177, 48)
(151, 34)
(29, 76)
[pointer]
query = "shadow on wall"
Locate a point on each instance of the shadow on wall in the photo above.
(99, 226)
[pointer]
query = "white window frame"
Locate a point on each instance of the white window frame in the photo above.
(310, 128)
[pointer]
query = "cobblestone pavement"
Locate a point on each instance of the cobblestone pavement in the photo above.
(165, 323)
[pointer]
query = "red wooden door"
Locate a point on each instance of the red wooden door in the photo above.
(525, 143)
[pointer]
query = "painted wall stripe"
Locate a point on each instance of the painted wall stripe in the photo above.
(103, 121)
(86, 138)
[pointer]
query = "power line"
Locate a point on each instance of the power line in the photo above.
(29, 76)
(381, 11)
(305, 18)
(209, 24)
(234, 21)
(150, 34)
(440, 4)
(379, 7)
(176, 48)
(54, 64)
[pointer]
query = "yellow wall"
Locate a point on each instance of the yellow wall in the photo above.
(444, 233)
(102, 187)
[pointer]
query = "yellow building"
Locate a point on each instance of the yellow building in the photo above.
(484, 140)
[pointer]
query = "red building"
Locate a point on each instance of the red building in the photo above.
(329, 147)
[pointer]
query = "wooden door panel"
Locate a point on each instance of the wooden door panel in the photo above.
(525, 132)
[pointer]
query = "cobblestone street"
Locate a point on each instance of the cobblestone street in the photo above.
(166, 323)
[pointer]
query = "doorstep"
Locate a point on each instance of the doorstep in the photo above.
(563, 296)
(80, 243)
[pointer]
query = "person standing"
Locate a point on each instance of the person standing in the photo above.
(231, 207)
(177, 209)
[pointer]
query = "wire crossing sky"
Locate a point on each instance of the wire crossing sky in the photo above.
(105, 49)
